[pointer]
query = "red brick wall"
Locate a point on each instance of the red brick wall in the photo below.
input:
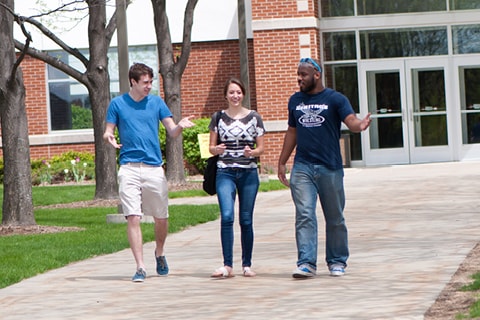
(268, 9)
(48, 151)
(34, 76)
(210, 64)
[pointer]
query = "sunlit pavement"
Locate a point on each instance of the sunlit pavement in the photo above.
(410, 227)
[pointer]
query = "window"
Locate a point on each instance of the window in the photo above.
(145, 54)
(404, 42)
(343, 8)
(70, 107)
(470, 89)
(464, 4)
(69, 101)
(337, 8)
(366, 7)
(344, 79)
(466, 39)
(339, 46)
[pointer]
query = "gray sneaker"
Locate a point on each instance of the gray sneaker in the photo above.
(304, 271)
(162, 266)
(140, 275)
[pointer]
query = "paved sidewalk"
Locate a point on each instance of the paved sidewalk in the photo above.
(409, 229)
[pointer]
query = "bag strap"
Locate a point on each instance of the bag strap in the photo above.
(216, 117)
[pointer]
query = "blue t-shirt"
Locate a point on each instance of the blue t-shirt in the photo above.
(318, 119)
(138, 126)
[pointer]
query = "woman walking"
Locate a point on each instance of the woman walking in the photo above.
(236, 135)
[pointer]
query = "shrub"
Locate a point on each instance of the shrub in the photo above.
(191, 148)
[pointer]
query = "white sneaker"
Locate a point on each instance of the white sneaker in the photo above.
(336, 270)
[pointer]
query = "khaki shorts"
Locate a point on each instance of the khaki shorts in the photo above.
(143, 190)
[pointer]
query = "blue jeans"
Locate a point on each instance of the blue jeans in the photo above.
(246, 182)
(307, 181)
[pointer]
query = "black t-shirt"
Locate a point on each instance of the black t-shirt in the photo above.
(318, 119)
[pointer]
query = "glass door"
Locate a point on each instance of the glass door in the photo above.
(383, 94)
(468, 106)
(428, 95)
(408, 103)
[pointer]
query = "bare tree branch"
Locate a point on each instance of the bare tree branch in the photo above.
(164, 41)
(28, 39)
(63, 8)
(73, 51)
(112, 24)
(51, 60)
(187, 30)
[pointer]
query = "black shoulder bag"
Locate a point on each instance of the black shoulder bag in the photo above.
(210, 173)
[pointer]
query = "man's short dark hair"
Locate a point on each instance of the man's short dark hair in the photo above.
(137, 70)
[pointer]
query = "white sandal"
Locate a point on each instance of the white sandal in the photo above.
(247, 272)
(222, 272)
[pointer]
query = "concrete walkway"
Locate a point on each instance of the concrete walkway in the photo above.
(409, 229)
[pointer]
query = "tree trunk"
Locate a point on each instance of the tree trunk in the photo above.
(99, 91)
(243, 42)
(105, 154)
(171, 69)
(17, 183)
(17, 192)
(174, 146)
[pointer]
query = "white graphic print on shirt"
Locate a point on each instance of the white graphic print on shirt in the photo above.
(311, 114)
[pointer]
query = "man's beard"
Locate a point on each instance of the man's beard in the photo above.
(311, 85)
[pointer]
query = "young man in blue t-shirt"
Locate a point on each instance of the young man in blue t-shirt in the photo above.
(142, 183)
(315, 115)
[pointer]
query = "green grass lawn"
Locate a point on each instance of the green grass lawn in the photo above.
(474, 310)
(24, 256)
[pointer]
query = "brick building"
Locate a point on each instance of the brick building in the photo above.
(416, 69)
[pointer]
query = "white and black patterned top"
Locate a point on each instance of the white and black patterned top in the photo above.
(236, 134)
